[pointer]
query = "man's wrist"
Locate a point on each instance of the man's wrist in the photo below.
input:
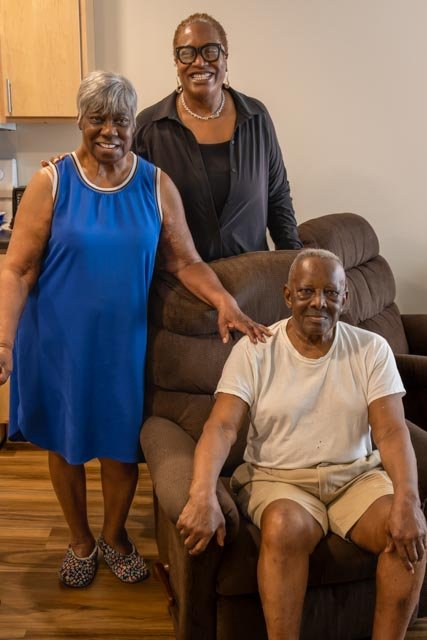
(202, 492)
(408, 494)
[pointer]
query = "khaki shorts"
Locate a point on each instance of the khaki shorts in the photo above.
(336, 495)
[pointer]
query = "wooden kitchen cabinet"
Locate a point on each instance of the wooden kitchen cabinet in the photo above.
(46, 47)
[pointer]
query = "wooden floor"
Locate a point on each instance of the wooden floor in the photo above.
(33, 538)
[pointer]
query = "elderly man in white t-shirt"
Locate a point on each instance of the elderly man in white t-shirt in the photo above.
(314, 391)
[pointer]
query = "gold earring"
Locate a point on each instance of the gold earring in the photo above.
(178, 84)
(226, 83)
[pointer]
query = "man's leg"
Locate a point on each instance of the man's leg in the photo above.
(289, 535)
(69, 483)
(397, 589)
(119, 481)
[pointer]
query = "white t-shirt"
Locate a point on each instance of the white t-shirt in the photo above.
(305, 411)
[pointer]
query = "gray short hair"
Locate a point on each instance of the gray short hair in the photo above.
(323, 254)
(107, 93)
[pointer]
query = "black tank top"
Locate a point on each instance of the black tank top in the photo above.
(216, 158)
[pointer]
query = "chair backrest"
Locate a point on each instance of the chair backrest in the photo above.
(185, 355)
(370, 280)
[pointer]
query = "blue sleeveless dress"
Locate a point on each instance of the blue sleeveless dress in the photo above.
(78, 382)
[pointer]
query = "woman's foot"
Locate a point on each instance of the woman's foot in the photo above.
(83, 549)
(128, 567)
(77, 571)
(118, 541)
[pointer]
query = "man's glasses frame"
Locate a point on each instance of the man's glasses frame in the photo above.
(193, 52)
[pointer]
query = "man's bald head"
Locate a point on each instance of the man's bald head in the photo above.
(321, 254)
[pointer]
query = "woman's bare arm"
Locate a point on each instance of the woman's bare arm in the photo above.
(178, 255)
(22, 262)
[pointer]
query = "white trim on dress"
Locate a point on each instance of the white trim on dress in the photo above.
(106, 189)
(158, 193)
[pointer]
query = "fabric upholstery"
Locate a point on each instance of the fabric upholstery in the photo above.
(413, 370)
(415, 326)
(348, 235)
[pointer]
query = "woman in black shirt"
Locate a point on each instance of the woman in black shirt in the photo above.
(220, 149)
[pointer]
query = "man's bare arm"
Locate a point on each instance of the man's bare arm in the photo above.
(201, 517)
(407, 526)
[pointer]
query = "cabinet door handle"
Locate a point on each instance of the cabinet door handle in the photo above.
(9, 95)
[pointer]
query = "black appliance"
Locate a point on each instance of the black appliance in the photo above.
(16, 198)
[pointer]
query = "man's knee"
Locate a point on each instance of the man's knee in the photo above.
(287, 527)
(370, 532)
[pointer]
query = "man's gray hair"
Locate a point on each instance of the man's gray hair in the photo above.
(106, 92)
(323, 254)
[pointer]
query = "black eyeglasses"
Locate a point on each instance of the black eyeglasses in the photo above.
(210, 52)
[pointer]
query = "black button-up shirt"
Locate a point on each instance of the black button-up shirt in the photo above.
(259, 195)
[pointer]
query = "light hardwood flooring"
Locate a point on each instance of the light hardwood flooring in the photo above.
(33, 537)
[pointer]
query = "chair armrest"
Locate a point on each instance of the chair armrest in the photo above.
(190, 582)
(169, 452)
(413, 370)
(419, 442)
(415, 326)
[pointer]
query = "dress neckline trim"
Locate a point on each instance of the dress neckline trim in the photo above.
(105, 189)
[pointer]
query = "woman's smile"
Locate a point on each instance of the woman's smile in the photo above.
(201, 77)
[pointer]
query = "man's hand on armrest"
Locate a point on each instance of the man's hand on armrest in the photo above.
(199, 521)
(202, 517)
(406, 530)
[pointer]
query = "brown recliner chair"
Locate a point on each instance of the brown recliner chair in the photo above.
(215, 596)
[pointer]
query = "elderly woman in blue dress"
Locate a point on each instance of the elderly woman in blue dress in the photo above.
(73, 310)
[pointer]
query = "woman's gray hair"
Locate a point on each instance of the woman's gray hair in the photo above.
(106, 92)
(323, 254)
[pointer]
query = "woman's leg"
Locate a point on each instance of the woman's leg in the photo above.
(69, 483)
(4, 412)
(119, 481)
(3, 433)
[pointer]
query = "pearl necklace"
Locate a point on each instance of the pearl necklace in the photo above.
(212, 116)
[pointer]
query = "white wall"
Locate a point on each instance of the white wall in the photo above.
(345, 82)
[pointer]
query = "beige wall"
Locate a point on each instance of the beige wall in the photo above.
(345, 82)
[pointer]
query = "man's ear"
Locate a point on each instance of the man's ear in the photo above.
(287, 295)
(346, 302)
